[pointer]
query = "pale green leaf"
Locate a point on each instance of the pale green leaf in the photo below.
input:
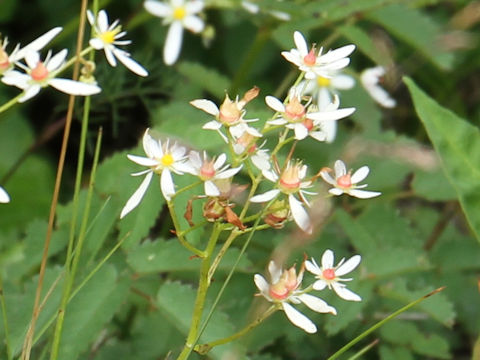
(209, 80)
(457, 142)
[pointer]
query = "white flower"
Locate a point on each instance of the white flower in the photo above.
(162, 160)
(254, 9)
(7, 61)
(289, 182)
(230, 114)
(284, 289)
(179, 14)
(314, 64)
(107, 36)
(246, 144)
(329, 275)
(42, 74)
(370, 79)
(303, 122)
(346, 183)
(4, 198)
(211, 170)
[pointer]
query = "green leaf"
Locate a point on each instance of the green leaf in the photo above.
(176, 302)
(92, 308)
(457, 142)
(416, 29)
(165, 256)
(208, 79)
(363, 41)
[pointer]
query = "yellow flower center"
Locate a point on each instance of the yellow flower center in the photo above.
(108, 37)
(179, 13)
(323, 82)
(167, 160)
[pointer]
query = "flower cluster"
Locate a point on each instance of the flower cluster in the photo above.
(284, 287)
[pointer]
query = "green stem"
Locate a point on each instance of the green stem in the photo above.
(201, 294)
(10, 103)
(233, 235)
(188, 187)
(180, 234)
(5, 320)
(380, 323)
(202, 349)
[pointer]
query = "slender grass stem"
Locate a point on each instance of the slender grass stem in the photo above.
(5, 320)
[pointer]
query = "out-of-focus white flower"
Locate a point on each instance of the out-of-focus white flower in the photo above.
(162, 159)
(289, 182)
(4, 198)
(317, 65)
(230, 114)
(370, 79)
(303, 122)
(41, 74)
(179, 14)
(253, 8)
(7, 61)
(211, 170)
(346, 183)
(107, 36)
(284, 289)
(328, 275)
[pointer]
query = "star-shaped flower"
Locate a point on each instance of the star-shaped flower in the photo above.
(328, 275)
(179, 14)
(162, 159)
(210, 170)
(317, 64)
(289, 182)
(346, 183)
(284, 289)
(41, 74)
(107, 36)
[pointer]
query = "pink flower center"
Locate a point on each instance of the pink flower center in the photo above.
(290, 180)
(345, 181)
(294, 110)
(310, 58)
(207, 171)
(308, 123)
(328, 274)
(40, 72)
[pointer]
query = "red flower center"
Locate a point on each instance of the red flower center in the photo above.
(345, 181)
(310, 58)
(40, 72)
(329, 274)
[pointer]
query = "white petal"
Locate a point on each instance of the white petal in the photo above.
(173, 43)
(30, 92)
(228, 173)
(74, 87)
(211, 189)
(220, 161)
(261, 161)
(112, 60)
(129, 63)
(166, 184)
(102, 20)
(312, 267)
(269, 195)
(336, 191)
(275, 104)
(206, 105)
(57, 60)
(340, 168)
(270, 175)
(348, 266)
(261, 284)
(330, 130)
(317, 304)
(137, 196)
(90, 17)
(299, 214)
(301, 132)
(343, 82)
(337, 54)
(274, 271)
(96, 43)
(381, 96)
(360, 174)
(327, 177)
(300, 43)
(327, 259)
(141, 160)
(298, 319)
(4, 198)
(32, 58)
(331, 115)
(194, 6)
(37, 44)
(363, 194)
(212, 125)
(157, 8)
(344, 293)
(319, 285)
(193, 23)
